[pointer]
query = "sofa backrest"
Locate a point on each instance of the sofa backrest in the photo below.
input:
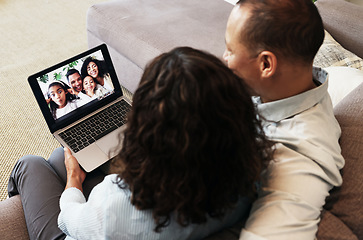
(343, 20)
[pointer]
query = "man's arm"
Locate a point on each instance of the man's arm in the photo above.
(291, 198)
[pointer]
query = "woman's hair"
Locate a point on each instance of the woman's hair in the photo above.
(69, 97)
(290, 28)
(193, 143)
(102, 69)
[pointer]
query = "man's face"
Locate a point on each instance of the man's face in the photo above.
(75, 81)
(239, 59)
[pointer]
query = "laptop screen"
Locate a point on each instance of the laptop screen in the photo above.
(74, 88)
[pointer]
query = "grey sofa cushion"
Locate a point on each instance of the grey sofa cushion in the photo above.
(332, 228)
(141, 30)
(343, 20)
(345, 202)
(138, 31)
(12, 220)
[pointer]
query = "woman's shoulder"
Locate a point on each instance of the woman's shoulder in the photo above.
(111, 181)
(108, 82)
(99, 87)
(111, 177)
(109, 193)
(116, 197)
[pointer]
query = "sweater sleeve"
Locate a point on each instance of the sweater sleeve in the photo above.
(81, 219)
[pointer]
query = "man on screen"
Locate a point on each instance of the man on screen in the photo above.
(75, 81)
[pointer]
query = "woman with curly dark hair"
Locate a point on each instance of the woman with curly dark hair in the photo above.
(193, 145)
(98, 71)
(189, 159)
(191, 154)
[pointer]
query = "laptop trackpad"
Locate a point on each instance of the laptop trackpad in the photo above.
(110, 144)
(91, 157)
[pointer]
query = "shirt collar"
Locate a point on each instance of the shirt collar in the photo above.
(278, 110)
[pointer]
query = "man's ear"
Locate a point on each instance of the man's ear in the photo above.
(268, 64)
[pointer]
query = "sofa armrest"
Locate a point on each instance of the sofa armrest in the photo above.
(345, 202)
(332, 228)
(343, 20)
(12, 220)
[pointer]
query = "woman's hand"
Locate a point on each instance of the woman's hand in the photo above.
(75, 175)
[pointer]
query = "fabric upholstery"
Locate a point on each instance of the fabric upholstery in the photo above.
(332, 228)
(12, 218)
(134, 39)
(343, 20)
(138, 31)
(346, 202)
(342, 80)
(331, 53)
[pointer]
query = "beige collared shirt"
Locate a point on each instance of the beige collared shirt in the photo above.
(306, 166)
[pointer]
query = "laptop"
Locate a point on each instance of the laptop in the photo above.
(89, 123)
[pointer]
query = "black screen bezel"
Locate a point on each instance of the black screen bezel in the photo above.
(84, 110)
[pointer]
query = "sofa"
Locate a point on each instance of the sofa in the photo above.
(137, 31)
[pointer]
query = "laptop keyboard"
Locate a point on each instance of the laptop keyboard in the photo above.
(96, 127)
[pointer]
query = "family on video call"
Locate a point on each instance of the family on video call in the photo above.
(93, 82)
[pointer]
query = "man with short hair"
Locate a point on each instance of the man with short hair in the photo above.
(271, 45)
(76, 82)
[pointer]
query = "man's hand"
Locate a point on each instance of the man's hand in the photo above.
(75, 175)
(72, 91)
